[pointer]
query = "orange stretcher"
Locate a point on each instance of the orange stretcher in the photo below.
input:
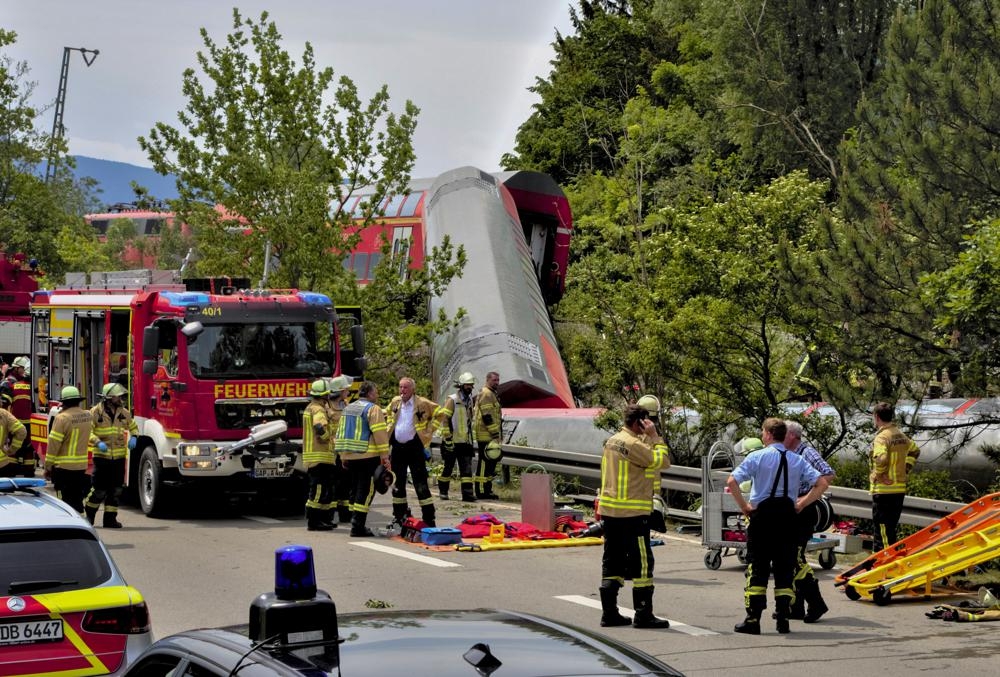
(979, 514)
(922, 568)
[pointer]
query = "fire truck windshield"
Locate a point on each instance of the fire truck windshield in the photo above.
(262, 350)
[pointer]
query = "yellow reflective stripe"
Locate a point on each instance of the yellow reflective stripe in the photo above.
(57, 436)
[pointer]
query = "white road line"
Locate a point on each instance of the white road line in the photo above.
(263, 520)
(674, 625)
(408, 555)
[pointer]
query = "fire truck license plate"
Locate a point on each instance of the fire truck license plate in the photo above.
(29, 632)
(272, 468)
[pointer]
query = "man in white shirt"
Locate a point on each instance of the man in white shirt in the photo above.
(410, 419)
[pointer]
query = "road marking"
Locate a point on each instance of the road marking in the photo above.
(263, 520)
(674, 625)
(408, 555)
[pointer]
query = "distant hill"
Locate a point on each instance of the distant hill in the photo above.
(114, 179)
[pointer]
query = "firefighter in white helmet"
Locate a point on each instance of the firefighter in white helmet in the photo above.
(66, 452)
(454, 418)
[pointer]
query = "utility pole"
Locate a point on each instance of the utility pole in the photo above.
(57, 125)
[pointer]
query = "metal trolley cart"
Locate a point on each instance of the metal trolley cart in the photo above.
(723, 526)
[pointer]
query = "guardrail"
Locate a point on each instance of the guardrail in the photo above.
(846, 502)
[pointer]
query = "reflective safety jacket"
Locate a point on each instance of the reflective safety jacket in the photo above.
(317, 447)
(21, 405)
(15, 430)
(423, 417)
(68, 438)
(454, 418)
(486, 417)
(630, 473)
(362, 432)
(893, 456)
(113, 428)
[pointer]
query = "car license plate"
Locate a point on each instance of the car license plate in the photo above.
(30, 632)
(272, 468)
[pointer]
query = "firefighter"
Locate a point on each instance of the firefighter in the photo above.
(340, 393)
(66, 452)
(114, 430)
(22, 407)
(12, 435)
(410, 421)
(630, 465)
(892, 459)
(318, 457)
(454, 418)
(362, 441)
(486, 419)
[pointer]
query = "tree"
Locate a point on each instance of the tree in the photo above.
(258, 141)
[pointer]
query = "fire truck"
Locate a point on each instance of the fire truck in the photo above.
(206, 362)
(18, 280)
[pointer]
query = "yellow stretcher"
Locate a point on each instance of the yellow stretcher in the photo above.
(922, 568)
(486, 545)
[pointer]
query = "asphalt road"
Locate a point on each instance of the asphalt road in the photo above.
(203, 568)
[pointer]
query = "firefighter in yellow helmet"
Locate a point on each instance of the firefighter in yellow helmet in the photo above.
(318, 457)
(454, 418)
(66, 452)
(12, 436)
(340, 393)
(363, 443)
(486, 425)
(630, 468)
(113, 435)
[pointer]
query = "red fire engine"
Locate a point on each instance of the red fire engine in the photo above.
(17, 282)
(204, 362)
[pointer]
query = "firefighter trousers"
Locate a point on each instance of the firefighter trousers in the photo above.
(71, 486)
(461, 455)
(109, 481)
(409, 456)
(771, 547)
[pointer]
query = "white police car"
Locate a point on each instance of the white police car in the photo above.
(296, 631)
(64, 607)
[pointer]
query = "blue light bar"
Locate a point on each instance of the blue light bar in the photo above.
(9, 483)
(294, 574)
(315, 298)
(185, 298)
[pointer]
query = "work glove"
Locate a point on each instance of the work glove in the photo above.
(427, 453)
(101, 446)
(132, 443)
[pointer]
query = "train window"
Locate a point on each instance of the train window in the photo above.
(392, 207)
(410, 204)
(153, 226)
(361, 265)
(346, 262)
(373, 261)
(100, 225)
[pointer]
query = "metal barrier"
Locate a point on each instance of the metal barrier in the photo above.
(846, 502)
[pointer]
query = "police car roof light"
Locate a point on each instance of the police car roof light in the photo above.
(314, 298)
(14, 483)
(294, 573)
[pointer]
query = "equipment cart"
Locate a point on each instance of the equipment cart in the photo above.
(723, 526)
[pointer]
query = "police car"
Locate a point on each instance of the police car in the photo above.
(295, 630)
(64, 607)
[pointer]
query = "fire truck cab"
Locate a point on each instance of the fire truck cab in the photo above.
(204, 361)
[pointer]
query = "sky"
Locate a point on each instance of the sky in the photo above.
(467, 64)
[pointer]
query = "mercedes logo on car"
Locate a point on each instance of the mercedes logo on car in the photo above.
(16, 604)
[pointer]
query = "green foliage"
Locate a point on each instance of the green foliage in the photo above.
(935, 484)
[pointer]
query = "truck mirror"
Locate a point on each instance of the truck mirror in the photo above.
(150, 341)
(360, 365)
(192, 329)
(358, 338)
(149, 367)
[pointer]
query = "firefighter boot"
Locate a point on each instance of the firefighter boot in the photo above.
(751, 624)
(427, 515)
(642, 598)
(110, 520)
(611, 617)
(91, 514)
(782, 609)
(314, 520)
(817, 607)
(798, 608)
(443, 490)
(358, 528)
(344, 514)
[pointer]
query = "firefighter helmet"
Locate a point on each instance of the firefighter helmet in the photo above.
(339, 383)
(751, 444)
(650, 404)
(493, 450)
(69, 393)
(22, 362)
(658, 516)
(113, 390)
(319, 388)
(6, 393)
(466, 379)
(384, 479)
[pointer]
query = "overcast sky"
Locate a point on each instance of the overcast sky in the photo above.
(466, 64)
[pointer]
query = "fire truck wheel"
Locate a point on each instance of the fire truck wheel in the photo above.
(151, 498)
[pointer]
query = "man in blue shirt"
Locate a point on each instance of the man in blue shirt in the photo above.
(773, 511)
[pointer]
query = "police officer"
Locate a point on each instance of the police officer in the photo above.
(410, 420)
(66, 452)
(776, 475)
(454, 418)
(362, 441)
(21, 408)
(486, 425)
(112, 426)
(12, 435)
(318, 457)
(630, 465)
